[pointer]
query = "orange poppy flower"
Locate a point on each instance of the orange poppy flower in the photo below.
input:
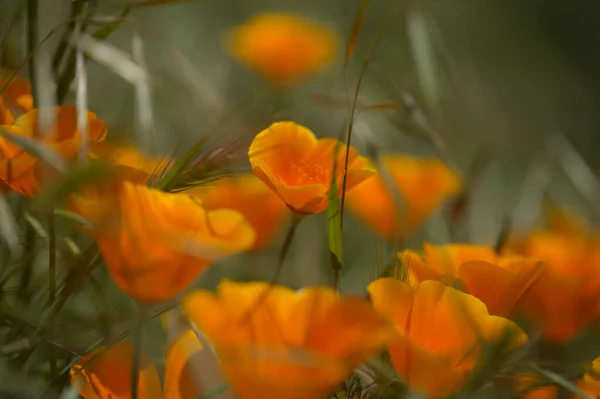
(262, 208)
(277, 343)
(283, 47)
(155, 244)
(105, 373)
(564, 299)
(21, 170)
(498, 281)
(440, 333)
(423, 184)
(298, 167)
(16, 99)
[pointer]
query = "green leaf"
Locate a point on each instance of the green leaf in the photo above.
(334, 223)
(562, 382)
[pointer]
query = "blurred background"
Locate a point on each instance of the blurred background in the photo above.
(508, 91)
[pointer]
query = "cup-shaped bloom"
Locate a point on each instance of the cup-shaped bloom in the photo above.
(498, 281)
(155, 244)
(105, 373)
(299, 168)
(16, 99)
(421, 185)
(441, 333)
(565, 298)
(263, 209)
(283, 48)
(279, 343)
(21, 170)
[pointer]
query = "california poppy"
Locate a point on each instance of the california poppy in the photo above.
(299, 168)
(105, 373)
(16, 99)
(422, 183)
(155, 243)
(283, 47)
(22, 170)
(498, 281)
(261, 207)
(564, 299)
(275, 342)
(440, 333)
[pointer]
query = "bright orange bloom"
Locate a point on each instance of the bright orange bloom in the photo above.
(298, 167)
(282, 47)
(16, 99)
(22, 171)
(498, 281)
(440, 333)
(277, 343)
(262, 208)
(106, 372)
(565, 298)
(423, 185)
(155, 244)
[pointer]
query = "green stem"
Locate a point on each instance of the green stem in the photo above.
(52, 281)
(32, 39)
(137, 352)
(287, 244)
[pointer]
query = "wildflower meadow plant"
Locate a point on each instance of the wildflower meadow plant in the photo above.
(150, 239)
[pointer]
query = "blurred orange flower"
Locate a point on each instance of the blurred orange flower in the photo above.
(129, 163)
(21, 170)
(16, 99)
(423, 185)
(155, 244)
(440, 333)
(105, 373)
(498, 281)
(298, 167)
(283, 47)
(277, 343)
(565, 298)
(261, 207)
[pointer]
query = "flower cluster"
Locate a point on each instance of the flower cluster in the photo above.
(436, 325)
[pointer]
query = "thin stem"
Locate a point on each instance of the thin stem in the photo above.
(287, 244)
(137, 352)
(32, 39)
(52, 280)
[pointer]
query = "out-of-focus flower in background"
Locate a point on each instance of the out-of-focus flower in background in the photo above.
(441, 333)
(276, 342)
(23, 171)
(423, 185)
(155, 244)
(16, 99)
(283, 48)
(498, 281)
(299, 168)
(105, 373)
(565, 298)
(261, 207)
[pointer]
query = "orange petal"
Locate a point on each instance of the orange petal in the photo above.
(180, 382)
(106, 374)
